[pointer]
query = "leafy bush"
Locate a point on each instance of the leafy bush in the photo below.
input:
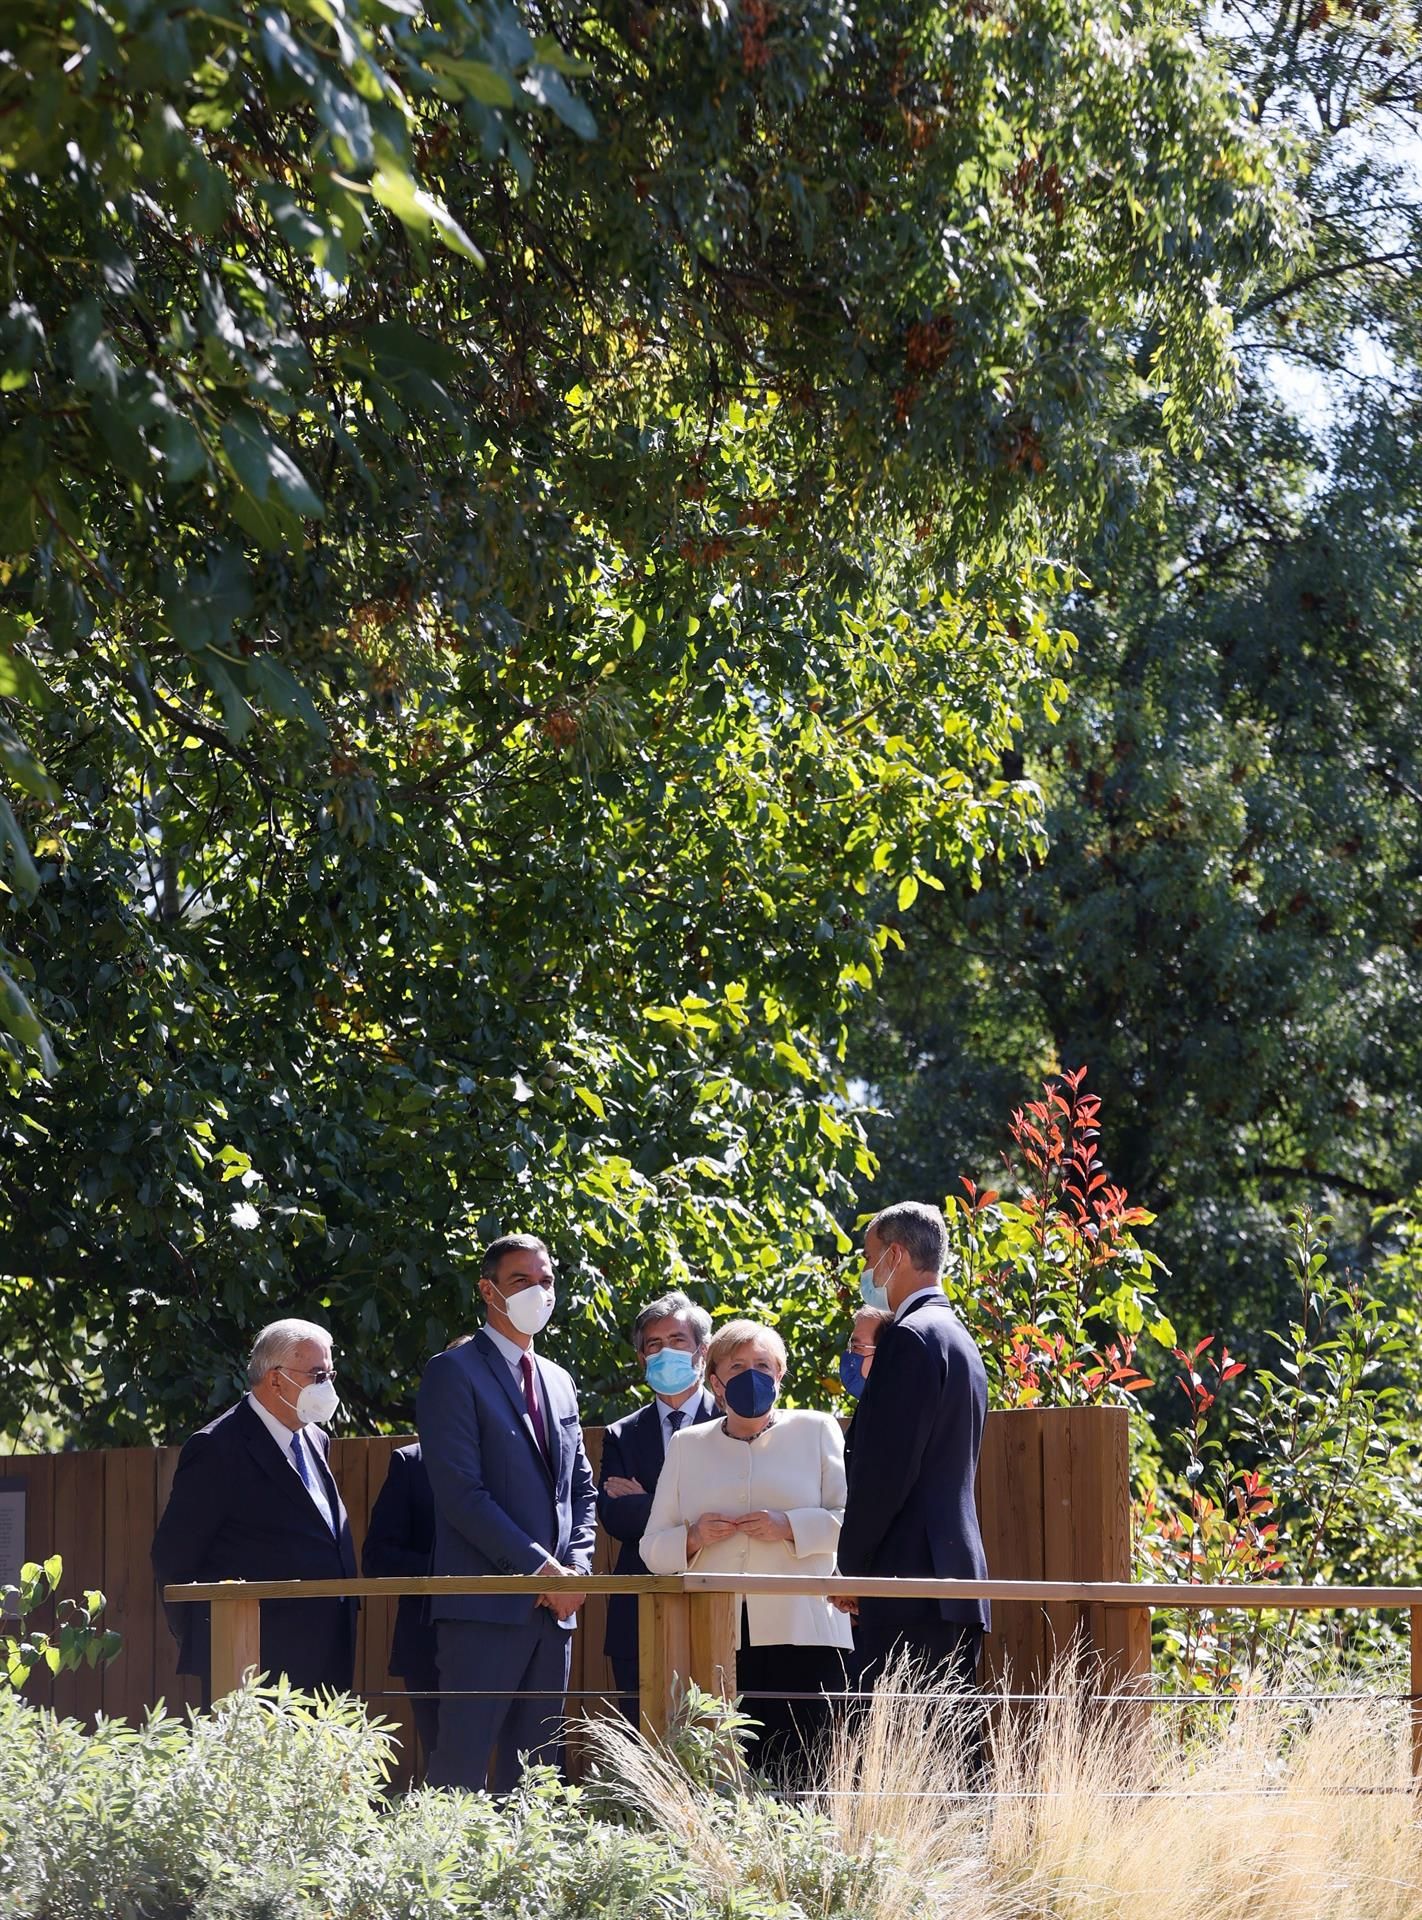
(26, 1648)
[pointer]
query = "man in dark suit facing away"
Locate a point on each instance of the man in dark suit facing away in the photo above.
(254, 1499)
(503, 1446)
(912, 1456)
(399, 1540)
(670, 1336)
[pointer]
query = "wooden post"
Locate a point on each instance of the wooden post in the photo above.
(1415, 1623)
(664, 1656)
(236, 1640)
(713, 1642)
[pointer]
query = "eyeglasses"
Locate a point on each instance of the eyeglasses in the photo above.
(317, 1376)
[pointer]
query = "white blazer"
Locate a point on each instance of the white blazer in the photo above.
(796, 1467)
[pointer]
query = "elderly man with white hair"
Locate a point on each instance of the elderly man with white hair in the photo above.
(254, 1499)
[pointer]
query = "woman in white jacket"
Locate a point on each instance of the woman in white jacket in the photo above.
(761, 1491)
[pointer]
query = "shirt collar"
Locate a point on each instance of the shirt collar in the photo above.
(924, 1293)
(510, 1349)
(276, 1428)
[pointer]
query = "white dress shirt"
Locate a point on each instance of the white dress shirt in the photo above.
(796, 1467)
(284, 1436)
(923, 1293)
(687, 1410)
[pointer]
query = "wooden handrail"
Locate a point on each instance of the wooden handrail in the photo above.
(687, 1621)
(1245, 1596)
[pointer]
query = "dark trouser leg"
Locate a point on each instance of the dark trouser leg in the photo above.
(938, 1648)
(626, 1673)
(792, 1729)
(426, 1712)
(941, 1650)
(533, 1727)
(488, 1665)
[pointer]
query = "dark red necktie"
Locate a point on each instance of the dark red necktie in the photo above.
(530, 1400)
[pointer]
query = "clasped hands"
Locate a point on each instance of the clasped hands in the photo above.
(766, 1523)
(561, 1605)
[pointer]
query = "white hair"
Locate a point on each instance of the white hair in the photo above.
(278, 1342)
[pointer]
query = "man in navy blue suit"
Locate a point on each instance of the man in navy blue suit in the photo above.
(912, 1456)
(670, 1336)
(502, 1443)
(254, 1499)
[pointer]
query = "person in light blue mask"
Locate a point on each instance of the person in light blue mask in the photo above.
(858, 1356)
(670, 1337)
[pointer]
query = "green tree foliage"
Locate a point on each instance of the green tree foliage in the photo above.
(525, 538)
(1228, 926)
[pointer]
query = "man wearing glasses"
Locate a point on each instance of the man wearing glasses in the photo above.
(254, 1499)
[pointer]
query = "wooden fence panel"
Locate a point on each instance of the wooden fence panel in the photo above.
(1053, 1493)
(130, 1515)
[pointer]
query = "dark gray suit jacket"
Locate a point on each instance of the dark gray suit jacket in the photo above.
(499, 1505)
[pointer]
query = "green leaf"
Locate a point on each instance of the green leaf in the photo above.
(475, 78)
(551, 90)
(23, 872)
(94, 363)
(19, 762)
(18, 677)
(284, 691)
(261, 463)
(421, 212)
(592, 1101)
(908, 892)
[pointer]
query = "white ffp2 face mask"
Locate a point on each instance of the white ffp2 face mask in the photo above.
(530, 1309)
(316, 1403)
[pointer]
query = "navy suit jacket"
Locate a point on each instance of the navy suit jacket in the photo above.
(911, 1457)
(499, 1504)
(632, 1450)
(238, 1511)
(400, 1540)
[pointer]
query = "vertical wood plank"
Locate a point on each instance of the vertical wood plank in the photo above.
(1090, 1433)
(177, 1691)
(79, 1539)
(236, 1641)
(663, 1655)
(711, 1642)
(130, 1490)
(1058, 1552)
(1010, 1507)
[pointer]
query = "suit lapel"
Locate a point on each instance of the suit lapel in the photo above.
(503, 1375)
(281, 1472)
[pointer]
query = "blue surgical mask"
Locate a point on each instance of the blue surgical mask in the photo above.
(872, 1294)
(752, 1393)
(671, 1371)
(851, 1373)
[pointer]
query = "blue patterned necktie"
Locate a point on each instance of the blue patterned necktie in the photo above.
(298, 1455)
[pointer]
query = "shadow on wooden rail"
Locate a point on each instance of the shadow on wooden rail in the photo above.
(687, 1621)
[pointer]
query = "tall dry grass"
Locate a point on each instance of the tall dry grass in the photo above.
(1075, 1812)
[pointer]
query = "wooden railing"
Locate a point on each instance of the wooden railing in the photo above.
(687, 1621)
